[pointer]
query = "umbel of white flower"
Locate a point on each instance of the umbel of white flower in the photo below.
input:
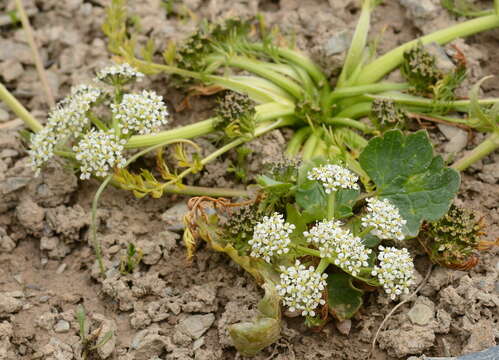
(334, 177)
(395, 271)
(301, 288)
(68, 119)
(140, 113)
(384, 218)
(271, 237)
(119, 74)
(339, 245)
(98, 152)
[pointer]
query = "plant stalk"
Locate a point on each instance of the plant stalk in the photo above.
(18, 109)
(490, 144)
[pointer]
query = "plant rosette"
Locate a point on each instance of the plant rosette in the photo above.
(315, 238)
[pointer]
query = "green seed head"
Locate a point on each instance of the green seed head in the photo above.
(236, 113)
(387, 114)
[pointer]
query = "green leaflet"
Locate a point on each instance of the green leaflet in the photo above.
(406, 173)
(343, 298)
(251, 337)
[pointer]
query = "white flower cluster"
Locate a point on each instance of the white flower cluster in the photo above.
(302, 288)
(99, 152)
(334, 177)
(141, 113)
(384, 218)
(68, 119)
(119, 74)
(271, 237)
(395, 271)
(338, 244)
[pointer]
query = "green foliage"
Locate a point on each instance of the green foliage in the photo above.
(464, 8)
(89, 341)
(453, 239)
(115, 25)
(405, 172)
(131, 259)
(240, 168)
(344, 299)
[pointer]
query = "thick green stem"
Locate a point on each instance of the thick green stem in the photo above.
(264, 112)
(257, 68)
(331, 201)
(355, 111)
(309, 147)
(296, 141)
(348, 122)
(298, 59)
(366, 231)
(207, 191)
(308, 251)
(358, 45)
(388, 62)
(18, 109)
(490, 144)
(323, 264)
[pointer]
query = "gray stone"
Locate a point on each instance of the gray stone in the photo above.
(420, 314)
(420, 9)
(490, 173)
(174, 216)
(457, 137)
(6, 243)
(489, 354)
(196, 325)
(14, 183)
(15, 51)
(11, 69)
(338, 43)
(9, 304)
(62, 326)
(107, 349)
(344, 326)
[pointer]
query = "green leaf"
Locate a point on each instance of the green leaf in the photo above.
(312, 199)
(344, 300)
(406, 173)
(345, 200)
(273, 186)
(251, 337)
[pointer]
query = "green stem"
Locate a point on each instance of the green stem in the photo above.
(93, 225)
(298, 59)
(323, 264)
(96, 121)
(388, 62)
(348, 122)
(18, 109)
(264, 112)
(257, 68)
(331, 202)
(358, 45)
(355, 111)
(490, 144)
(309, 147)
(308, 251)
(207, 191)
(366, 231)
(296, 141)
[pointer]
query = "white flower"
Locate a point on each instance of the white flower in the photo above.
(302, 288)
(98, 152)
(338, 244)
(384, 218)
(68, 119)
(271, 237)
(119, 74)
(395, 271)
(141, 113)
(334, 177)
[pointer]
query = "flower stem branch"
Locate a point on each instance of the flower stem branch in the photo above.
(36, 55)
(18, 109)
(490, 144)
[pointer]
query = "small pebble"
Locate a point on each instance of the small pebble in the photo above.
(62, 326)
(44, 298)
(61, 268)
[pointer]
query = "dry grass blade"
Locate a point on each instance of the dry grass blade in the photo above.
(34, 48)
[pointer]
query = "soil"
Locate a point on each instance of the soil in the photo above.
(170, 308)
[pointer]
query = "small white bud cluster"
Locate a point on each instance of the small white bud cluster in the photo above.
(334, 177)
(384, 218)
(338, 244)
(98, 152)
(141, 113)
(68, 119)
(119, 74)
(271, 237)
(301, 288)
(395, 271)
